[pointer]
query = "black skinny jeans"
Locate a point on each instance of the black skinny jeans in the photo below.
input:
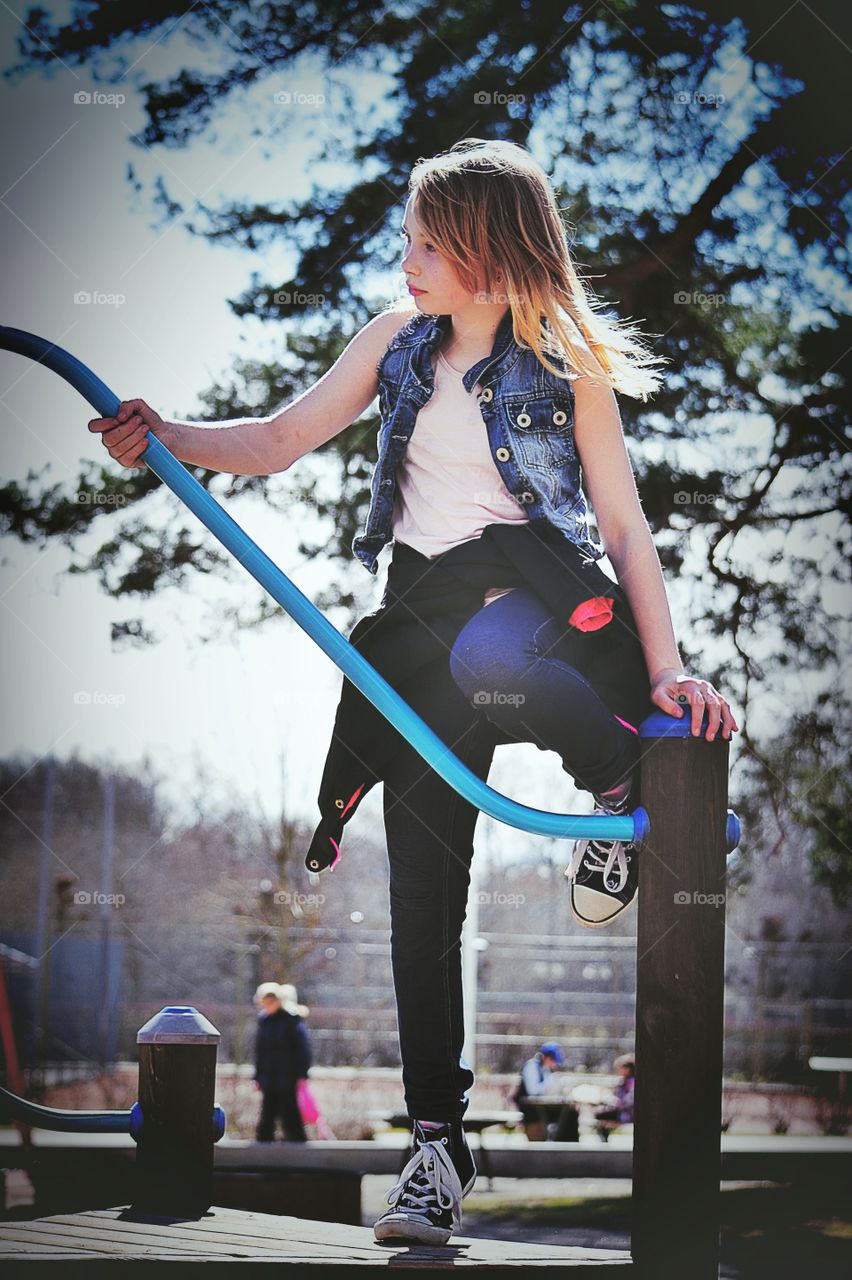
(509, 662)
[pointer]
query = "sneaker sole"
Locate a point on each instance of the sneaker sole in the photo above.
(409, 1229)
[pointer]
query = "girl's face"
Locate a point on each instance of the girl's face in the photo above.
(428, 271)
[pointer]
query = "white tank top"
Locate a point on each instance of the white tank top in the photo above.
(448, 486)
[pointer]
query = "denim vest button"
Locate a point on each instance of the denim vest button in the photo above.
(502, 455)
(526, 496)
(524, 419)
(487, 395)
(560, 417)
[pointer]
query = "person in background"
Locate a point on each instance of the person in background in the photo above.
(282, 1059)
(290, 1000)
(535, 1075)
(620, 1111)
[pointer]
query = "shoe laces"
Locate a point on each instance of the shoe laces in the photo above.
(429, 1180)
(601, 856)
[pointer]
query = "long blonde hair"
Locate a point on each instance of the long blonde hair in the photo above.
(489, 206)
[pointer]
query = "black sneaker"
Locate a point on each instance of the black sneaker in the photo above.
(426, 1201)
(604, 874)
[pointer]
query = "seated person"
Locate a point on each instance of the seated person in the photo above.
(533, 1082)
(620, 1111)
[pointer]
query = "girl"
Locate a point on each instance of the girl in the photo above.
(497, 625)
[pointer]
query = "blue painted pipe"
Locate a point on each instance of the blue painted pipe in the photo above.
(14, 1108)
(353, 664)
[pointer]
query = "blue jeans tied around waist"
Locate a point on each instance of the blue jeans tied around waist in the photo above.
(509, 662)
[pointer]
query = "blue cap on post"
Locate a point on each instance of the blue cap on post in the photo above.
(659, 724)
(178, 1024)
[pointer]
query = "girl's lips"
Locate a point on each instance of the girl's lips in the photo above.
(412, 290)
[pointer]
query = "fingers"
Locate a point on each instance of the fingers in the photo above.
(125, 435)
(667, 703)
(701, 696)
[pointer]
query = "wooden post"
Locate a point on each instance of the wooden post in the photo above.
(177, 1074)
(679, 1001)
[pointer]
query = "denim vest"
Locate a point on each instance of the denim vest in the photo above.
(529, 416)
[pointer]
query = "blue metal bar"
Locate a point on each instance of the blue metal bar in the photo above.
(362, 674)
(14, 1108)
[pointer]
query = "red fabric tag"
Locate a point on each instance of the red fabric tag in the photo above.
(591, 615)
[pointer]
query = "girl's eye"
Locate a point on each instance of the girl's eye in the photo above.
(430, 247)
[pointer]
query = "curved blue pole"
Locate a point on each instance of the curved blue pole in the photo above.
(353, 664)
(30, 1113)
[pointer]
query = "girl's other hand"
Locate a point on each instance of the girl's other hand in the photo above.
(670, 686)
(124, 436)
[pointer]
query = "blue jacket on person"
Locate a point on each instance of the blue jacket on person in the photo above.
(282, 1050)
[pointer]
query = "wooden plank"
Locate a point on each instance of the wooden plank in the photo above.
(230, 1236)
(187, 1235)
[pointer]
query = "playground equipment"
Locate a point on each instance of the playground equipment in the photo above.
(174, 1123)
(684, 830)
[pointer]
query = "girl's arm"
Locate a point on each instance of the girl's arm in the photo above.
(263, 446)
(611, 488)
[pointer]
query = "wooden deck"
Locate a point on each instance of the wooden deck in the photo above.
(113, 1239)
